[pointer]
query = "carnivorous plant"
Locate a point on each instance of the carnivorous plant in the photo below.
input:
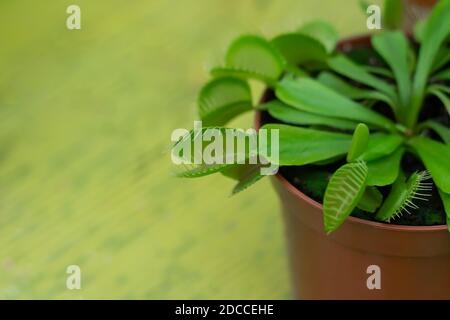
(330, 108)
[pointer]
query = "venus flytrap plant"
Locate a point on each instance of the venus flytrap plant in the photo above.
(318, 97)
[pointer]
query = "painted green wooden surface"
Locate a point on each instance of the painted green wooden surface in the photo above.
(85, 174)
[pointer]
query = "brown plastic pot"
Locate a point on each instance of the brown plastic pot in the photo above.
(414, 261)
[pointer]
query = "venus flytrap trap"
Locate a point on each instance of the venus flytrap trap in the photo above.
(330, 109)
(237, 153)
(403, 195)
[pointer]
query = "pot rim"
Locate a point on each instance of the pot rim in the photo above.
(343, 45)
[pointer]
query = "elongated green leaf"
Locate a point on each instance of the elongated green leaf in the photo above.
(312, 96)
(371, 200)
(435, 156)
(442, 58)
(359, 144)
(255, 55)
(288, 114)
(343, 193)
(443, 75)
(220, 72)
(323, 32)
(384, 171)
(220, 100)
(339, 85)
(440, 129)
(379, 71)
(300, 146)
(381, 145)
(436, 90)
(443, 88)
(349, 69)
(393, 47)
(402, 195)
(298, 48)
(446, 201)
(412, 60)
(392, 14)
(395, 199)
(419, 30)
(436, 31)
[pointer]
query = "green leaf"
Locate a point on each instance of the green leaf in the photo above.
(248, 177)
(359, 144)
(294, 71)
(435, 156)
(298, 48)
(412, 60)
(312, 96)
(437, 127)
(190, 151)
(371, 200)
(442, 58)
(446, 201)
(288, 114)
(384, 171)
(381, 145)
(393, 47)
(349, 69)
(255, 55)
(220, 100)
(339, 85)
(343, 193)
(443, 75)
(323, 32)
(435, 33)
(245, 174)
(200, 170)
(379, 71)
(392, 14)
(419, 30)
(220, 72)
(443, 88)
(299, 146)
(437, 91)
(402, 195)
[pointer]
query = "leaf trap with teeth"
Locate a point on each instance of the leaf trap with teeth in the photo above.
(403, 195)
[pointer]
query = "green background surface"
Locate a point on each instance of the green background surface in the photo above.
(85, 171)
